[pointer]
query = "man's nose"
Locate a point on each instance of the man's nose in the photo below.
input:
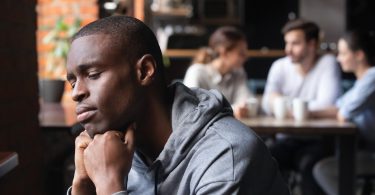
(79, 91)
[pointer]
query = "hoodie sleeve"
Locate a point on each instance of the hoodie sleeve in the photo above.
(240, 163)
(261, 177)
(120, 193)
(69, 192)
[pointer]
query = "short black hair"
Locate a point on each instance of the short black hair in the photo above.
(133, 36)
(361, 40)
(309, 28)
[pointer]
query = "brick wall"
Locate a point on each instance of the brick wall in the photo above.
(49, 11)
(19, 129)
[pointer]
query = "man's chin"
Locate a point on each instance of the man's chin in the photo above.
(93, 129)
(294, 61)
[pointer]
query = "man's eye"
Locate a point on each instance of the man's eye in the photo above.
(72, 84)
(94, 75)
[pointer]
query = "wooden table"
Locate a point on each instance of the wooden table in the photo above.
(345, 134)
(8, 161)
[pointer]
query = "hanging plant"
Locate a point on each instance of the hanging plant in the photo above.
(59, 37)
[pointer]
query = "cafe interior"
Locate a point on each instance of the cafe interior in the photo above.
(38, 121)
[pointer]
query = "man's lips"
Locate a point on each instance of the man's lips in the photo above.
(84, 113)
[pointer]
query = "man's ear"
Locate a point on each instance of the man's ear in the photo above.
(146, 69)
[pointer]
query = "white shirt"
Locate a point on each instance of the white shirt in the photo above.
(320, 87)
(232, 85)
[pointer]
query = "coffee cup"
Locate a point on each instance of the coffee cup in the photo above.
(280, 107)
(252, 106)
(300, 110)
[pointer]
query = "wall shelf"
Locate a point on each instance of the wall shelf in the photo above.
(190, 53)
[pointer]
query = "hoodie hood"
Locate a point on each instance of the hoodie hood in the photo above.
(193, 111)
(207, 147)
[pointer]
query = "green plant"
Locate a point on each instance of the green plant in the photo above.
(59, 37)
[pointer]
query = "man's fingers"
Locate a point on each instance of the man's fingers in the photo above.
(83, 140)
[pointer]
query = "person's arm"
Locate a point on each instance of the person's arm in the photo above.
(330, 112)
(240, 110)
(329, 85)
(273, 87)
(241, 89)
(194, 75)
(241, 94)
(357, 99)
(341, 118)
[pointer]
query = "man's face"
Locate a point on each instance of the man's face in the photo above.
(103, 84)
(296, 46)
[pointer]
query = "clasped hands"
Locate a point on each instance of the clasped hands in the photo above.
(102, 163)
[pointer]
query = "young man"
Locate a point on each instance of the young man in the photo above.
(142, 137)
(307, 75)
(303, 73)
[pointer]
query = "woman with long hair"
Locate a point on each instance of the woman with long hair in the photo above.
(356, 54)
(220, 66)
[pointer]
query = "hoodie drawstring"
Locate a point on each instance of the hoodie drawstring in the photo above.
(156, 178)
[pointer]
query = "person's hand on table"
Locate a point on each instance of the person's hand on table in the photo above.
(341, 118)
(289, 114)
(104, 162)
(240, 111)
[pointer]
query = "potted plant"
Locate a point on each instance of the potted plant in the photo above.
(52, 82)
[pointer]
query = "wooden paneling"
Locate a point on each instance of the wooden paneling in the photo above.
(19, 128)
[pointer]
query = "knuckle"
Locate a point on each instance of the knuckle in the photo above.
(78, 140)
(96, 137)
(109, 135)
(83, 133)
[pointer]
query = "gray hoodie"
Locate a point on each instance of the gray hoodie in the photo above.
(208, 152)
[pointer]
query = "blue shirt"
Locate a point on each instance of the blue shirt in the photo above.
(358, 105)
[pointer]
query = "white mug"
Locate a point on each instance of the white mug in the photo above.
(300, 112)
(280, 107)
(252, 106)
